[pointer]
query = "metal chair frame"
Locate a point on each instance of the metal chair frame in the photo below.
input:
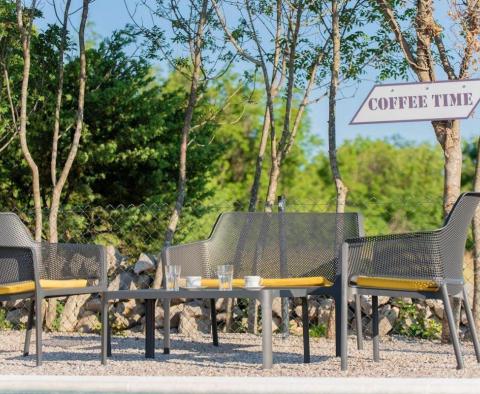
(444, 247)
(15, 237)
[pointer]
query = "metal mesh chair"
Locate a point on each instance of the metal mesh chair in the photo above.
(419, 265)
(32, 270)
(272, 245)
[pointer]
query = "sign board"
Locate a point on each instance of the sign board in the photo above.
(409, 102)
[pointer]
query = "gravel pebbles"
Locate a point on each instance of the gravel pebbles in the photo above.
(238, 355)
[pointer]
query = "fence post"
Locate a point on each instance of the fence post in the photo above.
(285, 326)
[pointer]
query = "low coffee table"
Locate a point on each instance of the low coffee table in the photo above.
(264, 295)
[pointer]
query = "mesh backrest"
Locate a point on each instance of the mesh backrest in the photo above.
(415, 257)
(13, 232)
(454, 234)
(16, 265)
(280, 245)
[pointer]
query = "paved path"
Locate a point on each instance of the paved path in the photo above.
(234, 385)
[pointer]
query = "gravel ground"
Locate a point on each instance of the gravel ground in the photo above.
(238, 355)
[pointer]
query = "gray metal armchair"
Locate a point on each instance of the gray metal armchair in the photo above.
(422, 265)
(36, 271)
(273, 245)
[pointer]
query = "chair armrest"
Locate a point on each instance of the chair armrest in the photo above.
(411, 255)
(73, 261)
(192, 257)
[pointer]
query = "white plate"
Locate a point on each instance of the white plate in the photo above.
(194, 288)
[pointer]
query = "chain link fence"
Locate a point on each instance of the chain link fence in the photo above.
(133, 236)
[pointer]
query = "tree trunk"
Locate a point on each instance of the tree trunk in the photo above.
(476, 239)
(51, 313)
(447, 132)
(58, 103)
(272, 184)
(57, 190)
(448, 135)
(25, 32)
(187, 124)
(332, 143)
(252, 205)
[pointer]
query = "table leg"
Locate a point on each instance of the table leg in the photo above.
(105, 330)
(213, 314)
(166, 326)
(267, 329)
(149, 328)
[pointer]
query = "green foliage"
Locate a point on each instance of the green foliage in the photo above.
(318, 331)
(60, 306)
(4, 323)
(412, 322)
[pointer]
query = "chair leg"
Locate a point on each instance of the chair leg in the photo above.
(213, 313)
(109, 338)
(28, 333)
(306, 334)
(376, 345)
(343, 328)
(358, 319)
(38, 329)
(338, 326)
(104, 334)
(452, 327)
(471, 324)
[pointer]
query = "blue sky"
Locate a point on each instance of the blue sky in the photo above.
(108, 15)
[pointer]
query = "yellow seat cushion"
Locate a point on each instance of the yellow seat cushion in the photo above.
(47, 284)
(396, 283)
(276, 282)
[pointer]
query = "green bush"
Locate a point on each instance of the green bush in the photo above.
(318, 331)
(4, 323)
(412, 322)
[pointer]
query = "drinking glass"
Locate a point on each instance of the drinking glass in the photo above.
(172, 277)
(225, 277)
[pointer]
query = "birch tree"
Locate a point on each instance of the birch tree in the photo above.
(25, 24)
(25, 18)
(190, 48)
(272, 37)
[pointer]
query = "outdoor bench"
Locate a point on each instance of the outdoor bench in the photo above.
(297, 254)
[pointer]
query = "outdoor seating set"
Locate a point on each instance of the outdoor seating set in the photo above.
(295, 254)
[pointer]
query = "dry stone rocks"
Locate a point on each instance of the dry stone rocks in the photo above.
(89, 323)
(93, 305)
(71, 311)
(17, 317)
(194, 319)
(124, 281)
(115, 261)
(145, 263)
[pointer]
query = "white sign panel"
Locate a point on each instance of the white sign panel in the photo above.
(408, 102)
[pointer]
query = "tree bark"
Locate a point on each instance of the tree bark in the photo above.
(187, 124)
(58, 103)
(476, 246)
(447, 132)
(57, 190)
(341, 188)
(59, 184)
(278, 153)
(25, 35)
(252, 205)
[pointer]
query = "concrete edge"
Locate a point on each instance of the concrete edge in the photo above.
(233, 385)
